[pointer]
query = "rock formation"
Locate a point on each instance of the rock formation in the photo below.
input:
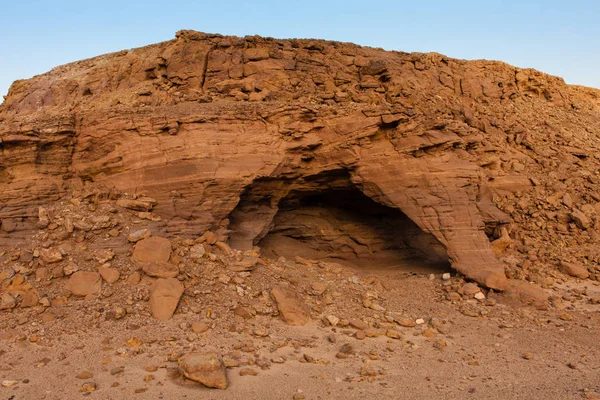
(327, 148)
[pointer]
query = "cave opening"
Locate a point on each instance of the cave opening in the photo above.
(326, 217)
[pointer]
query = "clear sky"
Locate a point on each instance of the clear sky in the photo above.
(561, 37)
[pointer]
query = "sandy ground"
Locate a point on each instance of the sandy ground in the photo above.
(501, 352)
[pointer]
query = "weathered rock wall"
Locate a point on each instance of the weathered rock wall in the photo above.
(194, 122)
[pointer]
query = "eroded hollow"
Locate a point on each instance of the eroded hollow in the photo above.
(327, 218)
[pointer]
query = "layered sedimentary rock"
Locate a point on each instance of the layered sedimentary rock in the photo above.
(236, 135)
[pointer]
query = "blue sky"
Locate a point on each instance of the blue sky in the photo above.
(558, 37)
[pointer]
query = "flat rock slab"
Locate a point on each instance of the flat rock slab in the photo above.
(164, 297)
(292, 308)
(82, 283)
(160, 270)
(207, 369)
(154, 249)
(575, 270)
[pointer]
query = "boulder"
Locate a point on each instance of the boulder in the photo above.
(205, 368)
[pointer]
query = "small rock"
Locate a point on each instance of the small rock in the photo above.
(118, 312)
(50, 256)
(199, 327)
(248, 371)
(197, 252)
(446, 276)
(333, 320)
(84, 375)
(88, 387)
(394, 334)
(110, 275)
(358, 324)
(138, 235)
(406, 322)
(208, 369)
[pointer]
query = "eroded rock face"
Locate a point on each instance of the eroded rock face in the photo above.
(196, 123)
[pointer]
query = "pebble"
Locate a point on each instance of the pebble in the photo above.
(248, 371)
(84, 375)
(88, 387)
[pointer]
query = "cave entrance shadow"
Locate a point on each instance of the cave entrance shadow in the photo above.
(327, 218)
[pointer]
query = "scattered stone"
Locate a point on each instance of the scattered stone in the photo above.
(136, 236)
(333, 320)
(358, 324)
(580, 220)
(528, 356)
(393, 334)
(164, 297)
(110, 275)
(118, 312)
(446, 276)
(199, 327)
(207, 369)
(154, 249)
(470, 289)
(51, 256)
(406, 322)
(7, 302)
(134, 278)
(575, 270)
(88, 387)
(83, 283)
(290, 305)
(84, 375)
(160, 269)
(197, 252)
(143, 204)
(248, 371)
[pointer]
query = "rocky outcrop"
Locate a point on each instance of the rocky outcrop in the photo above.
(224, 133)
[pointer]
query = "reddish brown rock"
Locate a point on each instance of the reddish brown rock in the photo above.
(208, 369)
(110, 275)
(160, 270)
(164, 297)
(83, 283)
(427, 140)
(154, 249)
(292, 308)
(574, 269)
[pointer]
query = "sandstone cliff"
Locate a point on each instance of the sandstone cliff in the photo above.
(328, 148)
